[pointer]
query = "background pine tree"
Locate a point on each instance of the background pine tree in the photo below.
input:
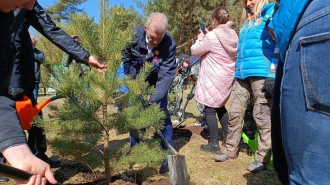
(62, 9)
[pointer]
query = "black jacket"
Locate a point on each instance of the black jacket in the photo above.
(23, 70)
(11, 132)
(164, 69)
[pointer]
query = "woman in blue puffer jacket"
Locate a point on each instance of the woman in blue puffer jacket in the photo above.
(254, 61)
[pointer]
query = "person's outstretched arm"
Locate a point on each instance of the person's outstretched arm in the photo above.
(41, 21)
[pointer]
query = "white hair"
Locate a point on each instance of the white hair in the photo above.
(158, 20)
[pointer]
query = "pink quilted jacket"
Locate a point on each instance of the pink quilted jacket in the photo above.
(216, 51)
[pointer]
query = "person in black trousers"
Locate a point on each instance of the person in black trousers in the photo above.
(279, 160)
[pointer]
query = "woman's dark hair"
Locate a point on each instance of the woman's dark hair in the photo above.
(221, 15)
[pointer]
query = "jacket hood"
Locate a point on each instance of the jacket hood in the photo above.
(227, 37)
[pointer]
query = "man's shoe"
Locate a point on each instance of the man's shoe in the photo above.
(164, 167)
(53, 163)
(221, 158)
(256, 166)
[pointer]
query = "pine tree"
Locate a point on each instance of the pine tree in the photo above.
(87, 118)
(63, 8)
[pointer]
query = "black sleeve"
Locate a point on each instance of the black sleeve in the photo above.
(11, 132)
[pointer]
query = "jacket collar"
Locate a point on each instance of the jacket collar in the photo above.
(141, 39)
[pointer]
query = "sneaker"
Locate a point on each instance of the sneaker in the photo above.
(256, 166)
(175, 122)
(221, 158)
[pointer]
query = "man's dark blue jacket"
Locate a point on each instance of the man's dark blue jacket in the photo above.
(164, 69)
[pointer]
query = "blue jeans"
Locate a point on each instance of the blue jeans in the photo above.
(167, 131)
(305, 98)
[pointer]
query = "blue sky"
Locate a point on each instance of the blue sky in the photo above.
(91, 6)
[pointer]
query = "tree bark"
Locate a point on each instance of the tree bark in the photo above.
(106, 159)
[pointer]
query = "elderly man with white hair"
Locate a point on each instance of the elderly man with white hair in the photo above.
(152, 44)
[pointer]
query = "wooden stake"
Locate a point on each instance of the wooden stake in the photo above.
(178, 170)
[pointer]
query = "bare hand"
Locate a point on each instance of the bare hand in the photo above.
(94, 62)
(20, 157)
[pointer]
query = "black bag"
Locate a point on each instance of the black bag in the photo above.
(269, 87)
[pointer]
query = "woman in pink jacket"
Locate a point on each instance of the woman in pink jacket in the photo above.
(216, 50)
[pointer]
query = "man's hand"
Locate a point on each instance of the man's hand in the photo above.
(20, 157)
(94, 62)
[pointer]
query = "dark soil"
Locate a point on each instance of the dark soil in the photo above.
(180, 133)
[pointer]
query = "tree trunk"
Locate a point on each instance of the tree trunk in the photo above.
(106, 159)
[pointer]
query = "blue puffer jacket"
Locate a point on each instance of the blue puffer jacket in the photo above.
(284, 22)
(255, 47)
